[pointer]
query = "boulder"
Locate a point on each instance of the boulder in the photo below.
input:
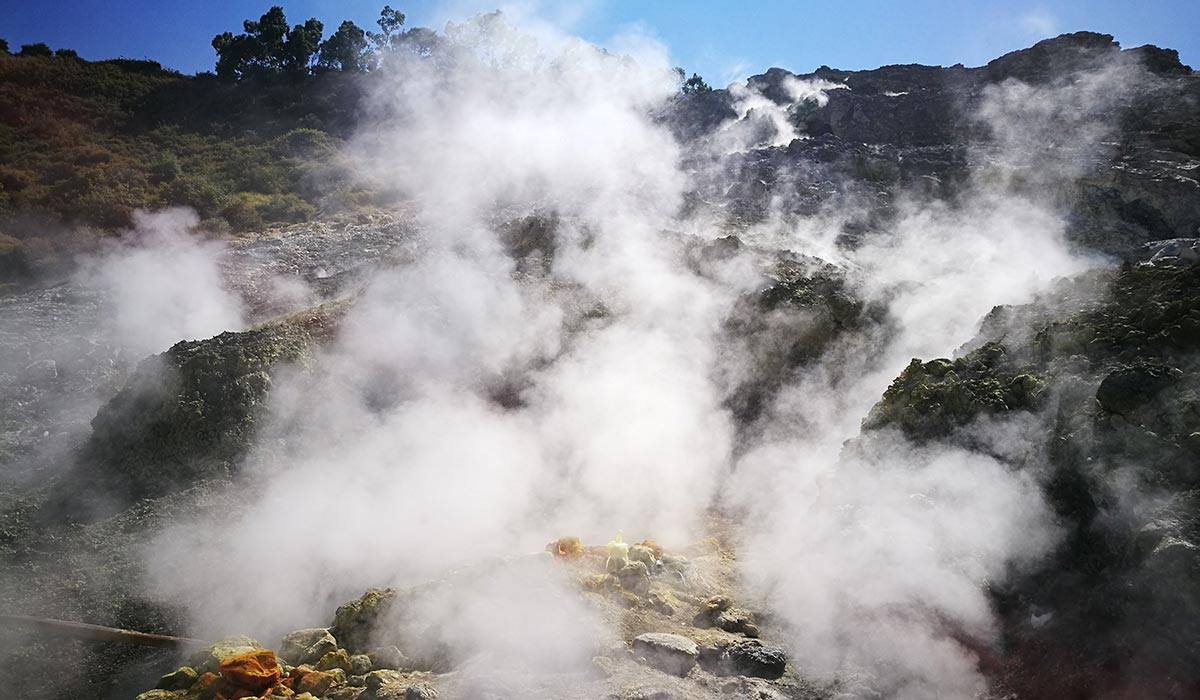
(306, 646)
(745, 657)
(669, 653)
(354, 622)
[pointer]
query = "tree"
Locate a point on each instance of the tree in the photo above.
(301, 46)
(3, 46)
(695, 84)
(66, 53)
(267, 45)
(235, 54)
(419, 40)
(389, 23)
(345, 49)
(268, 35)
(38, 49)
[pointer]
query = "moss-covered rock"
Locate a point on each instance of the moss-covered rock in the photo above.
(190, 413)
(930, 399)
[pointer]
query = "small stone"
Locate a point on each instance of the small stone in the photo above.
(346, 693)
(635, 578)
(377, 679)
(387, 657)
(180, 679)
(643, 554)
(316, 682)
(360, 664)
(160, 694)
(339, 658)
(306, 646)
(420, 691)
(662, 602)
(670, 653)
(359, 681)
(737, 622)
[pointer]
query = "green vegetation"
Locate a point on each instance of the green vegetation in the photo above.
(83, 144)
(693, 84)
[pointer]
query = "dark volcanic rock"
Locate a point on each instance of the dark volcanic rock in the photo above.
(745, 657)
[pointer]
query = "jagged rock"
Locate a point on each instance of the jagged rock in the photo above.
(746, 657)
(159, 694)
(306, 646)
(930, 399)
(634, 577)
(670, 653)
(180, 679)
(354, 622)
(737, 622)
(337, 658)
(643, 554)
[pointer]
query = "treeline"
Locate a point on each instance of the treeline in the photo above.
(268, 46)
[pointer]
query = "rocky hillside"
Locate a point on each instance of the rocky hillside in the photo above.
(237, 458)
(917, 128)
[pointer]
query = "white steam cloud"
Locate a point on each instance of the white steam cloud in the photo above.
(163, 284)
(475, 405)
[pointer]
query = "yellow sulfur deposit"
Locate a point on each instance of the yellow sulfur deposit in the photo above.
(616, 550)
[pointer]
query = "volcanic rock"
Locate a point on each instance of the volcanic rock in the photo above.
(669, 653)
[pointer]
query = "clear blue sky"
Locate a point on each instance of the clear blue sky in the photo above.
(721, 40)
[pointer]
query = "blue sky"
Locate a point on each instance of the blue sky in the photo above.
(723, 41)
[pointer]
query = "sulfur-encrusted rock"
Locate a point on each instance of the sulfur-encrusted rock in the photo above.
(315, 682)
(670, 653)
(209, 659)
(337, 658)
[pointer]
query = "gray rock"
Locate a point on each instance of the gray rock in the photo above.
(635, 577)
(670, 653)
(387, 657)
(306, 646)
(360, 664)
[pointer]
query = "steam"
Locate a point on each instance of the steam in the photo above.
(163, 284)
(476, 405)
(764, 123)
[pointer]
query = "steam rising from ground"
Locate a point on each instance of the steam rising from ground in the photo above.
(476, 405)
(163, 284)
